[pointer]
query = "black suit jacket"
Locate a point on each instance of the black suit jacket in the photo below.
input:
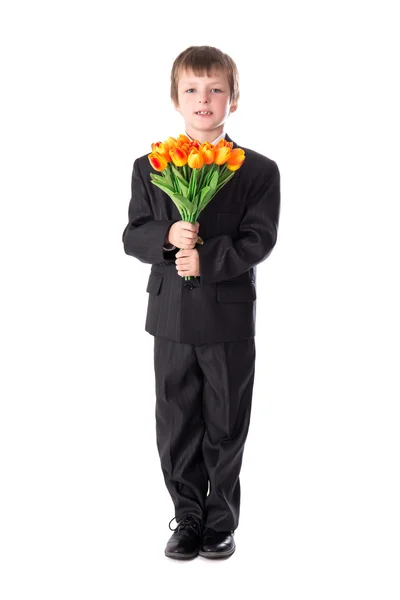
(239, 228)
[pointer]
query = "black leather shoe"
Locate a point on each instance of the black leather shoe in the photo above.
(217, 544)
(185, 542)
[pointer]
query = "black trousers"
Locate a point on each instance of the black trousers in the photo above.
(203, 405)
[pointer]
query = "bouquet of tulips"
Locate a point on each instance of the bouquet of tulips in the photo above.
(192, 173)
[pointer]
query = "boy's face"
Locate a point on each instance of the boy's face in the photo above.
(206, 94)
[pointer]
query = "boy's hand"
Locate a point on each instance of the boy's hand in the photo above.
(183, 234)
(187, 262)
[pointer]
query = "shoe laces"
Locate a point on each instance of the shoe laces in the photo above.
(187, 521)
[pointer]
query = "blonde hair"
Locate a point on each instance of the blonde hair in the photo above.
(200, 60)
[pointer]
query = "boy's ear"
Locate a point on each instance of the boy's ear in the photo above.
(233, 108)
(176, 106)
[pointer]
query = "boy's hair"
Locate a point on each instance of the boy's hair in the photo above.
(200, 60)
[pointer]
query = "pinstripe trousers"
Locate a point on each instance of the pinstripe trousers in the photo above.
(203, 406)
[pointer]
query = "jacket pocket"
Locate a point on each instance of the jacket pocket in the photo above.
(154, 283)
(236, 292)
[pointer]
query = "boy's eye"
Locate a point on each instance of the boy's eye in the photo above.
(192, 89)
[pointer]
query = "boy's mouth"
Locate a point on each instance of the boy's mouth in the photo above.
(203, 113)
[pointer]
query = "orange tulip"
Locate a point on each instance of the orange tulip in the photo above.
(171, 143)
(178, 156)
(223, 144)
(207, 150)
(221, 154)
(162, 150)
(183, 139)
(195, 159)
(186, 147)
(158, 162)
(236, 159)
(195, 144)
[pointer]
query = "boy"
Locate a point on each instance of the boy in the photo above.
(204, 328)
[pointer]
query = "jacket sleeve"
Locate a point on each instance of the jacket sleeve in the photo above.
(222, 258)
(144, 236)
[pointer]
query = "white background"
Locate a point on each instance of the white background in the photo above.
(84, 510)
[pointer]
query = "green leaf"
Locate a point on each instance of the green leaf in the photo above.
(178, 174)
(226, 179)
(161, 182)
(209, 175)
(181, 202)
(165, 188)
(225, 174)
(155, 177)
(195, 205)
(211, 190)
(214, 180)
(168, 177)
(183, 188)
(203, 173)
(204, 193)
(192, 184)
